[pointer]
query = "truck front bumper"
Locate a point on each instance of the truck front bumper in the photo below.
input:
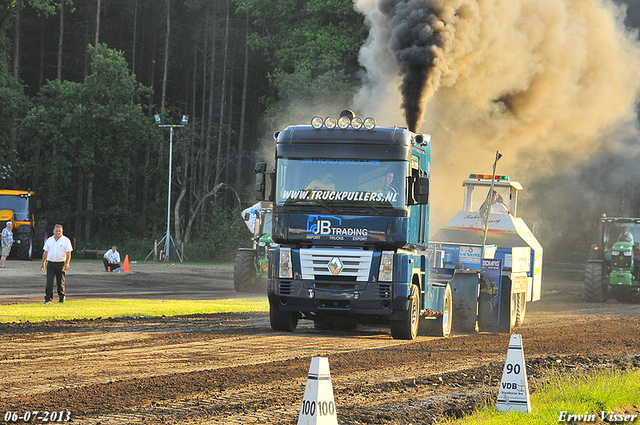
(365, 298)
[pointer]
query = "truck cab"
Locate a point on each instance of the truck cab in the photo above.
(351, 217)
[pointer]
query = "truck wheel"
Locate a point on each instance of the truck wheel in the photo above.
(521, 309)
(594, 291)
(244, 270)
(407, 328)
(285, 321)
(24, 246)
(441, 326)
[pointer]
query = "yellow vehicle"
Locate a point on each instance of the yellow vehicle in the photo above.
(29, 234)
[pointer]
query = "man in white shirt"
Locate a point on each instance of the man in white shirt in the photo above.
(497, 204)
(111, 259)
(7, 241)
(56, 258)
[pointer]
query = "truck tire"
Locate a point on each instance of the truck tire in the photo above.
(23, 246)
(594, 291)
(244, 270)
(521, 309)
(285, 321)
(407, 328)
(441, 326)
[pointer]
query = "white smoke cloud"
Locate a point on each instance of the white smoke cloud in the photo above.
(545, 82)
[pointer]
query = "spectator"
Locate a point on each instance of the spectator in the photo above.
(56, 257)
(325, 184)
(7, 241)
(111, 259)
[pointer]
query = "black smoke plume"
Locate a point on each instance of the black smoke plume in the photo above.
(415, 43)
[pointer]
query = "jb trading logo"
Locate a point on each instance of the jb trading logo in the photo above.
(330, 225)
(321, 224)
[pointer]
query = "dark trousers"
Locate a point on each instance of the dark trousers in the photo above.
(54, 270)
(110, 266)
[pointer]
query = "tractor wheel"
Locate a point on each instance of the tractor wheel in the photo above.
(23, 246)
(441, 326)
(285, 321)
(594, 291)
(407, 328)
(244, 270)
(521, 309)
(40, 238)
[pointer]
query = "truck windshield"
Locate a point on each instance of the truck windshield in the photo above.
(19, 206)
(478, 195)
(341, 182)
(621, 232)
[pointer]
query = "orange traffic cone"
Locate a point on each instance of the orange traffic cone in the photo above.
(125, 266)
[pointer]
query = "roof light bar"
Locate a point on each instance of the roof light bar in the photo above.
(488, 176)
(343, 122)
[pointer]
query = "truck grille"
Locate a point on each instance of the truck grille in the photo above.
(356, 264)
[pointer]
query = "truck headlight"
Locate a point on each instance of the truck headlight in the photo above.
(386, 267)
(285, 263)
(627, 253)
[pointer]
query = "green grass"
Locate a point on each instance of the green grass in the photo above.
(94, 308)
(574, 393)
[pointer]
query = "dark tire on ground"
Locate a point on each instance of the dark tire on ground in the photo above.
(594, 291)
(244, 270)
(407, 328)
(40, 238)
(521, 309)
(624, 295)
(441, 326)
(23, 246)
(285, 321)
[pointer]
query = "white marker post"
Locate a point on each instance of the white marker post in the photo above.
(514, 389)
(318, 407)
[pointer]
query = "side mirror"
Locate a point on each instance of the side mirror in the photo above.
(260, 187)
(421, 191)
(261, 167)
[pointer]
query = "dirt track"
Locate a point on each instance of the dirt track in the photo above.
(232, 368)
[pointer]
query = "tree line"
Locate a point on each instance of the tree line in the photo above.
(81, 82)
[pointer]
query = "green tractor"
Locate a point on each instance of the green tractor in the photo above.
(252, 264)
(611, 271)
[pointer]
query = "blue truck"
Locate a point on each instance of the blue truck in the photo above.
(351, 221)
(351, 217)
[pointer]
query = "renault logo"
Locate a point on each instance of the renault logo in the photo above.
(335, 265)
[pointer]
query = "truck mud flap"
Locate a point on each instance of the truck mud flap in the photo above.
(494, 306)
(464, 298)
